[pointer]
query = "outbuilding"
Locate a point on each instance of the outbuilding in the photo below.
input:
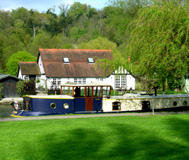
(9, 85)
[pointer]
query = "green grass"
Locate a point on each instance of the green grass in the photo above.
(126, 137)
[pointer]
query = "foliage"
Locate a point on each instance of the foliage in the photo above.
(119, 14)
(158, 30)
(13, 61)
(99, 43)
(68, 46)
(129, 137)
(26, 87)
(159, 42)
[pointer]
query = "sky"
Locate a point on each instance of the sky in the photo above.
(44, 5)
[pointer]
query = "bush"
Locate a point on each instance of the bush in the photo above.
(26, 87)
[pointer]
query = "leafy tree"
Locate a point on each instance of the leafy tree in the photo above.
(158, 44)
(42, 40)
(77, 10)
(5, 21)
(68, 46)
(99, 43)
(21, 14)
(11, 45)
(12, 65)
(119, 14)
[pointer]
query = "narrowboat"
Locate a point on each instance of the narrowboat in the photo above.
(93, 98)
(73, 99)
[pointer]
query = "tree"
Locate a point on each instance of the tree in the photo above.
(159, 42)
(99, 43)
(118, 16)
(12, 65)
(11, 45)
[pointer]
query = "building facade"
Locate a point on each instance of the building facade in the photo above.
(56, 67)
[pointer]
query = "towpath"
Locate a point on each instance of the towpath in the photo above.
(88, 116)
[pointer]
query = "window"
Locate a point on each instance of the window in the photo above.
(116, 106)
(185, 103)
(89, 91)
(53, 105)
(117, 81)
(120, 81)
(66, 105)
(99, 79)
(26, 78)
(145, 105)
(123, 81)
(97, 91)
(80, 80)
(91, 60)
(54, 81)
(66, 60)
(174, 103)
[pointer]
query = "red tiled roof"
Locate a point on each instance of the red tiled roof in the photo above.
(78, 67)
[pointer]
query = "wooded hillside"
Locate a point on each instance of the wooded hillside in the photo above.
(155, 32)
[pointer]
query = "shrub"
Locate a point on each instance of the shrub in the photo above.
(26, 87)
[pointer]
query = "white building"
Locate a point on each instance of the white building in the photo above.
(59, 66)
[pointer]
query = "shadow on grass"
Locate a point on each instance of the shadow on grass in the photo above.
(136, 143)
(82, 143)
(123, 141)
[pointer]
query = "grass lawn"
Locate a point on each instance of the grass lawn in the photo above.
(126, 137)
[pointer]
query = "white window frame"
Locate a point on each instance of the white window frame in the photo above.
(80, 80)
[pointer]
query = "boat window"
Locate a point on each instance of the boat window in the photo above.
(65, 90)
(89, 91)
(116, 106)
(53, 105)
(97, 91)
(145, 105)
(82, 92)
(106, 91)
(174, 103)
(66, 106)
(79, 91)
(185, 103)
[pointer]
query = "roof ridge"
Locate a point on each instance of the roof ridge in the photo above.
(105, 50)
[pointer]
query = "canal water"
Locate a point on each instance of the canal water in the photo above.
(6, 110)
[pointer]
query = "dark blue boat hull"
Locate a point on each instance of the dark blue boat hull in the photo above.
(33, 106)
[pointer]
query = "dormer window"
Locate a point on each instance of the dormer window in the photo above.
(66, 60)
(91, 60)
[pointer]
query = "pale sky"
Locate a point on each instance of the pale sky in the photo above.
(44, 5)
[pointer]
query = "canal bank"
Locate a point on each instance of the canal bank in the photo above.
(10, 100)
(7, 106)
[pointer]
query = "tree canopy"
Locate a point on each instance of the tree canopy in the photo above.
(159, 42)
(154, 33)
(20, 56)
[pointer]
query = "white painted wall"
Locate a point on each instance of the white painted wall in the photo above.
(19, 74)
(40, 64)
(44, 81)
(23, 77)
(130, 82)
